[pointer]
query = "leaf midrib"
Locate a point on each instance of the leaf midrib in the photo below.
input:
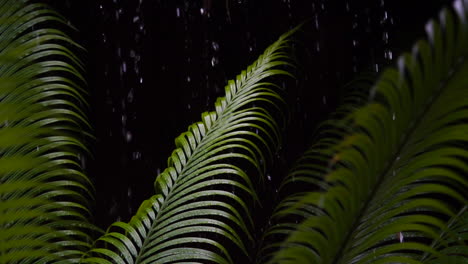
(220, 116)
(388, 169)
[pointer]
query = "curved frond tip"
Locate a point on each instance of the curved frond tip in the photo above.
(200, 207)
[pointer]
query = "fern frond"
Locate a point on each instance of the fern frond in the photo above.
(44, 195)
(391, 186)
(200, 205)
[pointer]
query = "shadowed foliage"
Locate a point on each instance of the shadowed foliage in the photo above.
(384, 182)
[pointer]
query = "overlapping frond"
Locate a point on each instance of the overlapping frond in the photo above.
(390, 191)
(44, 196)
(307, 172)
(201, 207)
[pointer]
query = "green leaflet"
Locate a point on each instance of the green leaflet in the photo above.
(201, 201)
(391, 186)
(44, 196)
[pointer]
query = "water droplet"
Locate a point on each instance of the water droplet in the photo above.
(215, 46)
(189, 106)
(400, 236)
(355, 43)
(101, 7)
(324, 100)
(178, 12)
(128, 136)
(136, 155)
(376, 67)
(130, 96)
(141, 79)
(129, 192)
(269, 177)
(385, 37)
(316, 22)
(136, 19)
(347, 7)
(124, 67)
(202, 11)
(214, 61)
(388, 55)
(188, 79)
(393, 117)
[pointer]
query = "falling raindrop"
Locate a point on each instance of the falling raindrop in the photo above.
(202, 11)
(101, 7)
(128, 136)
(189, 106)
(376, 67)
(388, 54)
(141, 79)
(324, 100)
(130, 95)
(178, 12)
(136, 19)
(136, 155)
(214, 61)
(347, 7)
(385, 37)
(124, 120)
(316, 22)
(188, 79)
(400, 236)
(269, 177)
(124, 67)
(393, 117)
(129, 192)
(215, 46)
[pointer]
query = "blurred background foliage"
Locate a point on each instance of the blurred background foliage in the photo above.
(146, 53)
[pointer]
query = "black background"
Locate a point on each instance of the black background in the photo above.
(155, 66)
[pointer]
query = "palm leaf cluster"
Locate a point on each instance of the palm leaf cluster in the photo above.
(44, 196)
(384, 182)
(202, 198)
(393, 188)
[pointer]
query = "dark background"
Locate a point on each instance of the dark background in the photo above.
(155, 66)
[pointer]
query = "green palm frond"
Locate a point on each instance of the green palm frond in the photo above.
(307, 172)
(393, 186)
(200, 205)
(452, 242)
(44, 196)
